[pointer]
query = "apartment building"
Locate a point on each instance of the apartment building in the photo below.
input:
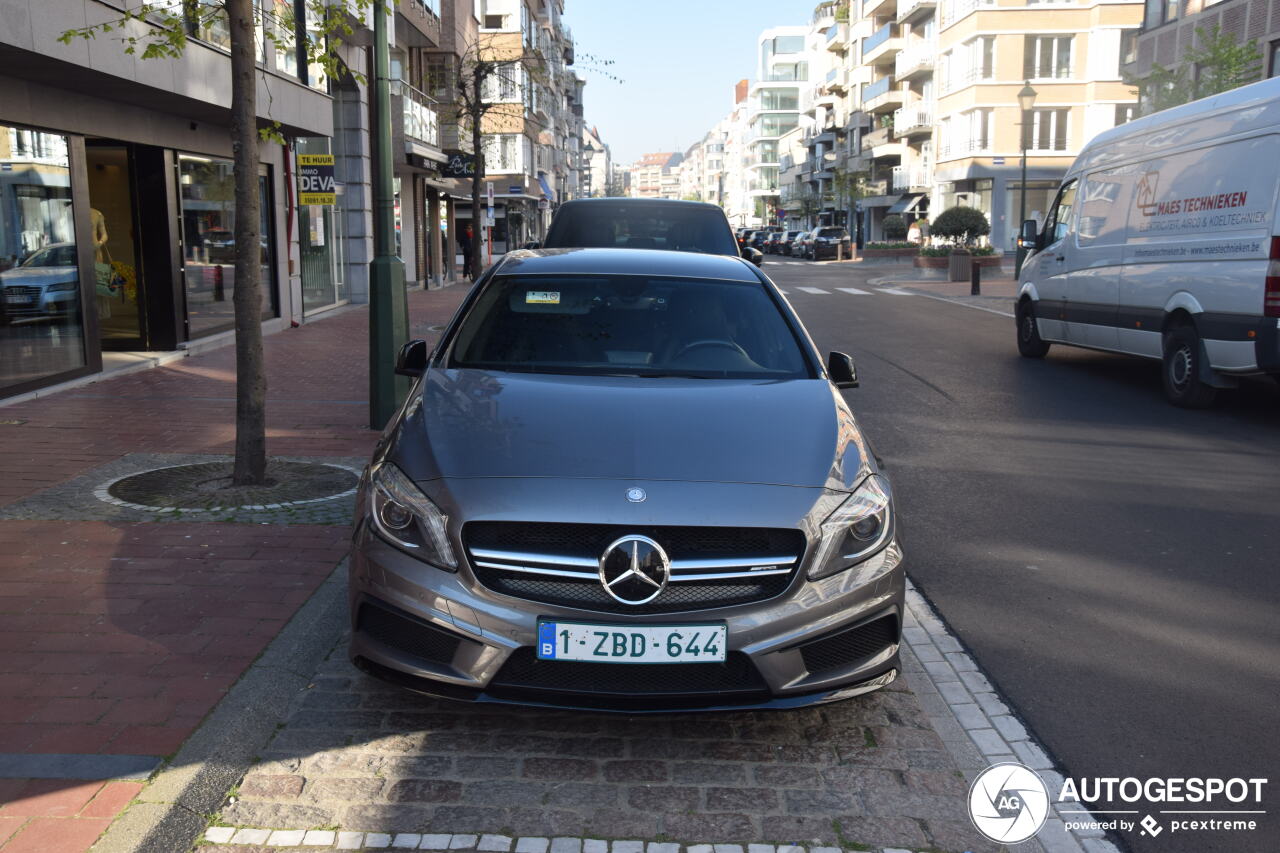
(1069, 52)
(532, 135)
(1169, 31)
(656, 175)
(597, 165)
(782, 73)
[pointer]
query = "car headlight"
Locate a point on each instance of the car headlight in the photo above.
(407, 518)
(62, 287)
(858, 529)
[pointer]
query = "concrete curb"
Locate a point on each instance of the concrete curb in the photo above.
(172, 812)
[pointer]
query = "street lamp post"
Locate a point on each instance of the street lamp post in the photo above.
(1026, 100)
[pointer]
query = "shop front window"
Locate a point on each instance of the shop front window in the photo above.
(41, 328)
(208, 234)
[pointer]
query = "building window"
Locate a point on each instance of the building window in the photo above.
(1171, 8)
(208, 237)
(1049, 130)
(1125, 113)
(503, 86)
(1047, 57)
(504, 152)
(495, 22)
(1128, 46)
(41, 333)
(1275, 60)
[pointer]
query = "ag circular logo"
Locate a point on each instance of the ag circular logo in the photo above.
(1008, 802)
(634, 570)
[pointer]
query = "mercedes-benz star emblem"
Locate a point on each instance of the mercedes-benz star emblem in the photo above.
(634, 570)
(636, 495)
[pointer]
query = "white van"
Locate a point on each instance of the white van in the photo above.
(1162, 242)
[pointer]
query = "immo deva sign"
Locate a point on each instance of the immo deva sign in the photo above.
(316, 184)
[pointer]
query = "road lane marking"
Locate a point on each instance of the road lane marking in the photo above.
(854, 291)
(895, 292)
(814, 290)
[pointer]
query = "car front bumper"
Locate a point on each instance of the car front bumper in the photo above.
(444, 634)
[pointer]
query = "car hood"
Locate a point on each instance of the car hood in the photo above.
(36, 276)
(474, 423)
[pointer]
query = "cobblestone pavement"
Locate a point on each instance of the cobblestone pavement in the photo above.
(364, 756)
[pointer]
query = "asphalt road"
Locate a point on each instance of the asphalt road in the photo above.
(1111, 560)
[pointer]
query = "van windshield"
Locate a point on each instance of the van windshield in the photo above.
(629, 325)
(678, 227)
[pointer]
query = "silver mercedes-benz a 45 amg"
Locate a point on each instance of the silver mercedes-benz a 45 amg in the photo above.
(624, 479)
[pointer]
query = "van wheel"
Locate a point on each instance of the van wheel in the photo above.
(1182, 355)
(1030, 345)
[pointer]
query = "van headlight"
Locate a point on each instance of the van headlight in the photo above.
(407, 518)
(858, 529)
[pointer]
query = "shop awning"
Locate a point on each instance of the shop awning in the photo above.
(546, 188)
(906, 204)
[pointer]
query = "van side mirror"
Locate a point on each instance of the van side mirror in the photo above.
(753, 254)
(1027, 237)
(841, 370)
(412, 360)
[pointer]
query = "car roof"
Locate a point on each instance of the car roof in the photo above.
(652, 262)
(613, 200)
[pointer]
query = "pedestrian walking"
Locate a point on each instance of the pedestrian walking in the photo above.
(468, 263)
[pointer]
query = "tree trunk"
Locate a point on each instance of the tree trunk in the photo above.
(477, 139)
(251, 378)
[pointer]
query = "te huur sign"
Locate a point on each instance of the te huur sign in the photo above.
(316, 184)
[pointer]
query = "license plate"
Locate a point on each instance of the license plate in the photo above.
(15, 299)
(631, 643)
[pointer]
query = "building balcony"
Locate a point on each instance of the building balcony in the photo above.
(950, 149)
(882, 46)
(838, 79)
(837, 37)
(420, 122)
(911, 11)
(879, 8)
(954, 10)
(915, 61)
(911, 178)
(879, 136)
(915, 120)
(879, 97)
(876, 187)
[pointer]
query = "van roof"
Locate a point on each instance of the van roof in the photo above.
(1255, 94)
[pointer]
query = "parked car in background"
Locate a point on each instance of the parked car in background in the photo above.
(787, 240)
(771, 242)
(45, 284)
(758, 238)
(634, 475)
(642, 223)
(802, 244)
(830, 241)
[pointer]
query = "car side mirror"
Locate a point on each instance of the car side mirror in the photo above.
(1027, 237)
(841, 370)
(753, 254)
(412, 360)
(532, 244)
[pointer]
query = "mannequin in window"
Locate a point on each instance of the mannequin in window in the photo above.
(98, 224)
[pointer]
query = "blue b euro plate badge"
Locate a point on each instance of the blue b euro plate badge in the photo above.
(546, 641)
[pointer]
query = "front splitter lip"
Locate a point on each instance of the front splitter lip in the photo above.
(651, 704)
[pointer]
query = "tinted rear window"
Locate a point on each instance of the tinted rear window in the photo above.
(832, 232)
(633, 325)
(681, 228)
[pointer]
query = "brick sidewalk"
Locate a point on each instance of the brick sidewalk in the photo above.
(119, 635)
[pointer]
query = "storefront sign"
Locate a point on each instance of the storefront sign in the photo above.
(515, 189)
(316, 184)
(460, 165)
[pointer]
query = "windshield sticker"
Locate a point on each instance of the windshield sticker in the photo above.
(542, 297)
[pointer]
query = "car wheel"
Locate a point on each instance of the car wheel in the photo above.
(1181, 373)
(1030, 344)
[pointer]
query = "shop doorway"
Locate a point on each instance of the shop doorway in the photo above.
(118, 285)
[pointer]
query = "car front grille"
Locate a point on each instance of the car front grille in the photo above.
(848, 647)
(639, 686)
(407, 633)
(558, 563)
(29, 295)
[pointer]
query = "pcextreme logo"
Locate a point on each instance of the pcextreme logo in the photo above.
(1009, 803)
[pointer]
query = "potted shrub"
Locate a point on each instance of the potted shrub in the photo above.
(961, 226)
(895, 228)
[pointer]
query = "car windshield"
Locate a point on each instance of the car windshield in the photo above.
(53, 256)
(683, 228)
(629, 325)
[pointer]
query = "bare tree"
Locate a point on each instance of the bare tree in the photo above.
(159, 30)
